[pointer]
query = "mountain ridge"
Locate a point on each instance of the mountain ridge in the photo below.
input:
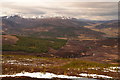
(47, 27)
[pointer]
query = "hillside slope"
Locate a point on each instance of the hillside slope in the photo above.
(47, 27)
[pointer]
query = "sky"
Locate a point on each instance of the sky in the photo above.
(82, 9)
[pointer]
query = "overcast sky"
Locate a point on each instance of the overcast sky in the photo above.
(88, 10)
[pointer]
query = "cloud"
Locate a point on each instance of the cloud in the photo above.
(89, 10)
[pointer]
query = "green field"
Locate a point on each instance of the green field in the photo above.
(29, 44)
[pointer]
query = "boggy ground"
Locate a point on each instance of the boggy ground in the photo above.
(12, 64)
(77, 56)
(103, 50)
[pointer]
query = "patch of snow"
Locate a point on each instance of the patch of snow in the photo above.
(110, 69)
(11, 61)
(96, 68)
(115, 67)
(45, 75)
(94, 75)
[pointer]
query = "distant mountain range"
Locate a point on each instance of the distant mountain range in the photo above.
(110, 28)
(51, 27)
(108, 24)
